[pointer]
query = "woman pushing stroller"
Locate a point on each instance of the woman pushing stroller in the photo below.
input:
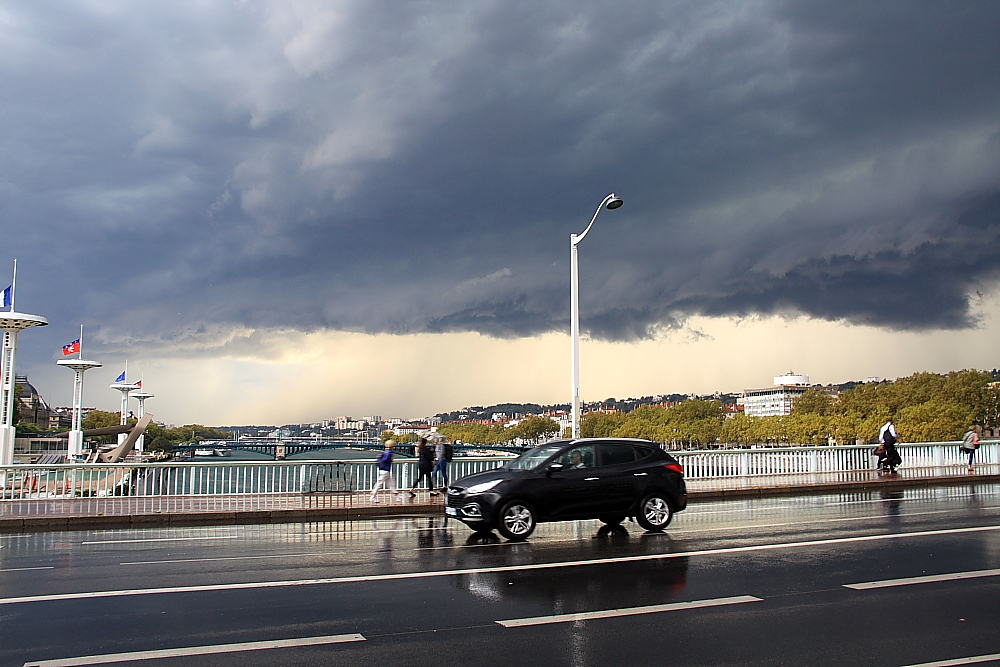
(888, 457)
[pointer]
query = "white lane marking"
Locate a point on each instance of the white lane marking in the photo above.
(685, 531)
(194, 650)
(873, 517)
(25, 569)
(164, 539)
(202, 560)
(928, 579)
(486, 570)
(960, 661)
(628, 611)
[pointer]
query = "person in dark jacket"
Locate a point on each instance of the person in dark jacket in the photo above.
(425, 464)
(888, 437)
(441, 460)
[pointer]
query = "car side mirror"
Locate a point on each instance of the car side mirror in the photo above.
(555, 467)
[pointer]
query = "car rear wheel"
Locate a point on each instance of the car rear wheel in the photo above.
(516, 520)
(654, 512)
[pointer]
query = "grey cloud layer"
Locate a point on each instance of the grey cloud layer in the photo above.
(406, 167)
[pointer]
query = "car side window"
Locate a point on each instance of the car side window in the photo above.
(581, 456)
(615, 454)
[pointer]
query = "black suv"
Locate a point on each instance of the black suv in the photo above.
(589, 478)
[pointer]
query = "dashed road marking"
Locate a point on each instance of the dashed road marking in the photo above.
(993, 657)
(928, 579)
(628, 611)
(194, 650)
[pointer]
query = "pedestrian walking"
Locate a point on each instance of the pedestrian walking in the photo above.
(384, 465)
(442, 455)
(970, 443)
(888, 438)
(425, 466)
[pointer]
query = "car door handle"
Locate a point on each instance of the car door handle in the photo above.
(590, 479)
(639, 474)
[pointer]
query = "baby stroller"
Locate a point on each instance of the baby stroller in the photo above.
(888, 458)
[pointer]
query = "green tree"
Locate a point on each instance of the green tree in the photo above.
(807, 428)
(535, 428)
(100, 419)
(16, 408)
(815, 401)
(933, 421)
(601, 424)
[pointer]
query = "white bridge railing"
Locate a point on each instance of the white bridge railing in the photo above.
(24, 482)
(707, 464)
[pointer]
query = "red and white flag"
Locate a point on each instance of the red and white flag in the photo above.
(72, 348)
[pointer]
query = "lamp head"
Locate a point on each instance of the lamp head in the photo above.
(615, 202)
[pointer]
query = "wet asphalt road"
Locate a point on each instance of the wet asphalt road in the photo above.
(780, 565)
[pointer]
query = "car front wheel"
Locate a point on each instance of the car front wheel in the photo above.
(654, 512)
(516, 520)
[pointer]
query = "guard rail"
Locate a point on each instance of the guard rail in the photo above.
(24, 482)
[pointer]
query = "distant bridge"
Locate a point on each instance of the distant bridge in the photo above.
(292, 446)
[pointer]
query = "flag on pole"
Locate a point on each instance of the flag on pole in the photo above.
(139, 384)
(8, 296)
(72, 348)
(120, 378)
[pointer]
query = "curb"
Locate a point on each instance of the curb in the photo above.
(882, 484)
(52, 523)
(34, 524)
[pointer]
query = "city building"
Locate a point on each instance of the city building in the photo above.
(30, 449)
(777, 400)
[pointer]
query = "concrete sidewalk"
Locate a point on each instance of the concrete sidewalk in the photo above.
(118, 512)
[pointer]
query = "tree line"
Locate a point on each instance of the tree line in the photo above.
(925, 407)
(158, 437)
(531, 429)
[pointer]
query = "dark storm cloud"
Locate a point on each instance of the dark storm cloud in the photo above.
(173, 173)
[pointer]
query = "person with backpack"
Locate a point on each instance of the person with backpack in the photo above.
(444, 453)
(384, 465)
(425, 466)
(888, 438)
(970, 443)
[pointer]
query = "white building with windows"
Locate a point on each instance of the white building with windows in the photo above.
(777, 400)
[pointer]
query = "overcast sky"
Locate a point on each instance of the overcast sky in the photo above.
(254, 188)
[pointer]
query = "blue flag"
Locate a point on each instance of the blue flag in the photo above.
(8, 296)
(120, 378)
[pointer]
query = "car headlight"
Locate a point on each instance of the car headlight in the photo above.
(483, 486)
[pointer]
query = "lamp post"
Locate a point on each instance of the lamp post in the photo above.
(11, 323)
(125, 388)
(79, 367)
(141, 396)
(612, 202)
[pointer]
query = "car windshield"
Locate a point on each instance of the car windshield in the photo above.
(534, 457)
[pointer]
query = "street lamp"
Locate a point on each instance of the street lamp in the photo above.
(612, 202)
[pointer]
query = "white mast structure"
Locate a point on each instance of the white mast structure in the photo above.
(141, 397)
(124, 387)
(79, 367)
(12, 323)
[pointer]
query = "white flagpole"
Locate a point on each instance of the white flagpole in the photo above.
(13, 287)
(81, 341)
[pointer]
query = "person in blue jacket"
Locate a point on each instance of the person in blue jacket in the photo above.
(384, 465)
